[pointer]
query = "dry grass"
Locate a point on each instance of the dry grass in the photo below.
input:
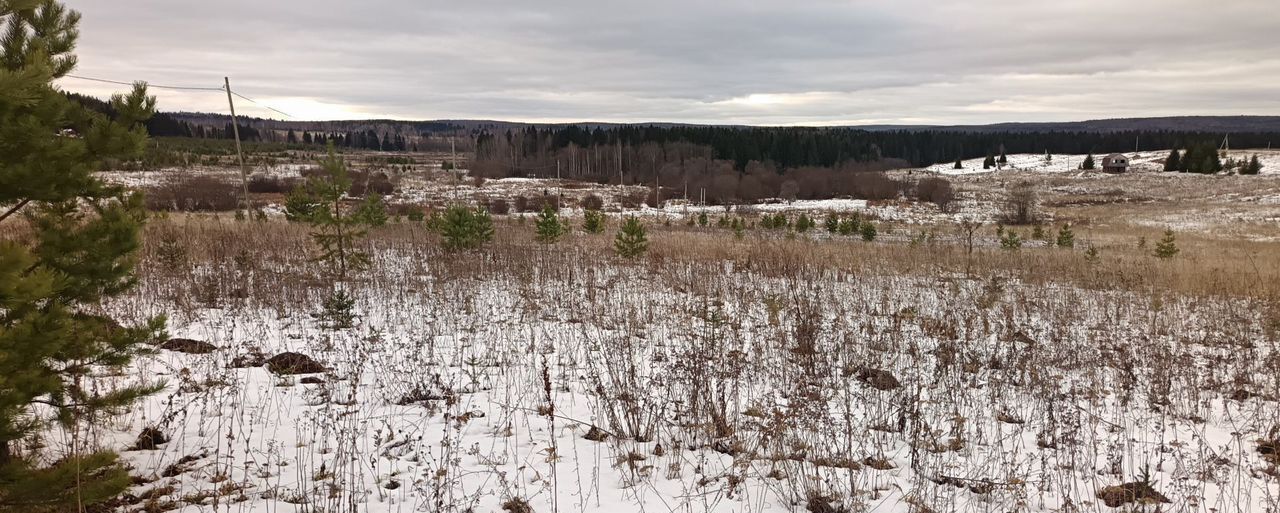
(1205, 266)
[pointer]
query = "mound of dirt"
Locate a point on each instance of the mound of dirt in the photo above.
(149, 438)
(252, 358)
(293, 363)
(189, 346)
(878, 379)
(595, 434)
(1270, 450)
(1140, 493)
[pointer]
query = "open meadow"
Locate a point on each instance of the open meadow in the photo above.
(768, 370)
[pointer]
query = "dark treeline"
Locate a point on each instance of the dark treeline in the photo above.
(681, 169)
(791, 147)
(728, 164)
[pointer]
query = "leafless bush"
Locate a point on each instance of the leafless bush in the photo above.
(546, 200)
(592, 202)
(365, 183)
(1021, 204)
(872, 186)
(937, 191)
(260, 184)
(199, 193)
(520, 204)
(631, 199)
(499, 206)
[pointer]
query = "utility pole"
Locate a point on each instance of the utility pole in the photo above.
(657, 191)
(453, 151)
(235, 128)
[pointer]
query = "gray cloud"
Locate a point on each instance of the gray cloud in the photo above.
(755, 62)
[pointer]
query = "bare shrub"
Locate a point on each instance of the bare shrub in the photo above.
(366, 183)
(1021, 204)
(498, 206)
(546, 200)
(200, 193)
(872, 186)
(631, 199)
(592, 202)
(937, 191)
(521, 204)
(271, 184)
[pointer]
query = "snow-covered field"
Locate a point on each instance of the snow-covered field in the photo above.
(1141, 161)
(566, 380)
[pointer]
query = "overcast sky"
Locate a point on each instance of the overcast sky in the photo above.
(767, 62)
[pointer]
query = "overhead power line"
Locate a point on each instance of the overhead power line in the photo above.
(158, 86)
(184, 88)
(251, 100)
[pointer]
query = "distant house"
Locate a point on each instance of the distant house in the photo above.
(1115, 163)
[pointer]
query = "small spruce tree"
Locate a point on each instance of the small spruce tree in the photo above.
(373, 211)
(1168, 246)
(593, 221)
(989, 162)
(334, 230)
(1252, 167)
(1037, 232)
(1066, 239)
(1173, 162)
(849, 226)
(804, 223)
(549, 228)
(868, 231)
(1088, 165)
(465, 229)
(702, 219)
(1091, 255)
(337, 234)
(1011, 240)
(959, 164)
(832, 223)
(631, 241)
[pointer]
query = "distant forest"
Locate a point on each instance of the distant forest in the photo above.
(722, 163)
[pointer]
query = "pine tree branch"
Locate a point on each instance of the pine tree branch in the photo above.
(14, 210)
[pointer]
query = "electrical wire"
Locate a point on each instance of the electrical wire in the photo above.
(219, 89)
(185, 88)
(265, 106)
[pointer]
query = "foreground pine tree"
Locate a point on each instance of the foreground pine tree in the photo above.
(81, 249)
(631, 241)
(1088, 164)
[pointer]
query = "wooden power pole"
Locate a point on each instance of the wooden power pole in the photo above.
(235, 129)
